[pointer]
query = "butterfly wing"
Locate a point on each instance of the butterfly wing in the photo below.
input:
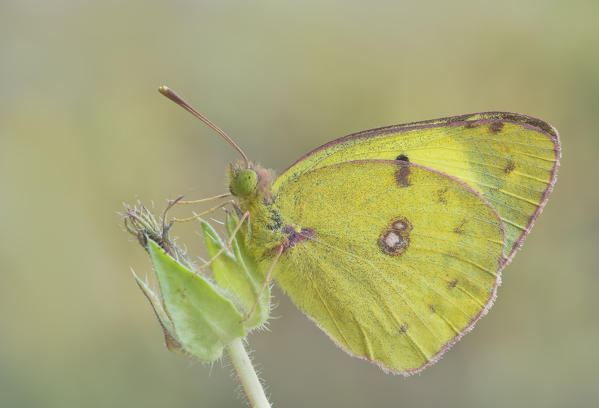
(393, 261)
(510, 159)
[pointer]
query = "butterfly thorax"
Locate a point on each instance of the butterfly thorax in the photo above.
(252, 187)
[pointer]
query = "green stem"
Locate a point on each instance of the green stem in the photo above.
(247, 375)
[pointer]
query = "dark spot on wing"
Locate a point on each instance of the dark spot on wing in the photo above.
(402, 174)
(527, 120)
(403, 328)
(452, 284)
(402, 157)
(395, 238)
(495, 127)
(442, 195)
(460, 228)
(510, 166)
(432, 308)
(472, 124)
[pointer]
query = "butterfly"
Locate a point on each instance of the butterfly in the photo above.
(392, 240)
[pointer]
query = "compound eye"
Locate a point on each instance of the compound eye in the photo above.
(244, 183)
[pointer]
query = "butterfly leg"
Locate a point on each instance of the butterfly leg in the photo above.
(196, 216)
(280, 250)
(202, 200)
(179, 200)
(228, 244)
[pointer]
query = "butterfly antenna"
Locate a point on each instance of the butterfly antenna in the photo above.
(169, 93)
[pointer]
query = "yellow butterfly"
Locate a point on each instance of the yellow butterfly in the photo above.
(393, 240)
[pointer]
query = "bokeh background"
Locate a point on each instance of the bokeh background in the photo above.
(82, 130)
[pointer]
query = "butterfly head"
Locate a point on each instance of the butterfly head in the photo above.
(245, 182)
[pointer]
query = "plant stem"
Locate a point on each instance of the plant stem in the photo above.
(247, 375)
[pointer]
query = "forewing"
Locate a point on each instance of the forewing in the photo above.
(510, 159)
(394, 262)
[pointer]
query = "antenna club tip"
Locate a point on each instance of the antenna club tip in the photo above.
(164, 90)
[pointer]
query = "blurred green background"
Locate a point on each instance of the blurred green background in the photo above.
(82, 129)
